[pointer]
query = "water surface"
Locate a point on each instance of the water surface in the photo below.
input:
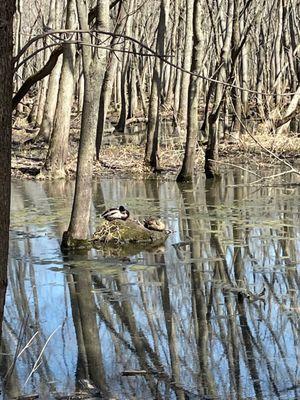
(214, 314)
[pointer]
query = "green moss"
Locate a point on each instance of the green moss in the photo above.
(70, 243)
(126, 232)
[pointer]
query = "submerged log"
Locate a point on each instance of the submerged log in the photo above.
(127, 232)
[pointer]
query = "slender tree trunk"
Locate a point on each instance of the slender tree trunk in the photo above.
(7, 8)
(153, 129)
(187, 169)
(236, 93)
(120, 127)
(42, 100)
(50, 104)
(53, 84)
(212, 149)
(108, 80)
(132, 90)
(187, 60)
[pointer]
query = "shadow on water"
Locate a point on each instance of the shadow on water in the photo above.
(213, 314)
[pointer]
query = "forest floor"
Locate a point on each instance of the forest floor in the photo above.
(124, 156)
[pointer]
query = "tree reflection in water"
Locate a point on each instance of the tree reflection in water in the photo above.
(215, 316)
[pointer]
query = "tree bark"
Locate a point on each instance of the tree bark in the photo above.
(58, 148)
(7, 8)
(94, 61)
(187, 169)
(108, 80)
(53, 83)
(153, 128)
(187, 60)
(212, 149)
(42, 73)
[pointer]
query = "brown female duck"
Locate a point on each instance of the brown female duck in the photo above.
(154, 224)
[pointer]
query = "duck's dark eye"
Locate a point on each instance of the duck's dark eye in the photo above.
(122, 208)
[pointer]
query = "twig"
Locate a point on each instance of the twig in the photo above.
(238, 166)
(38, 362)
(292, 169)
(147, 48)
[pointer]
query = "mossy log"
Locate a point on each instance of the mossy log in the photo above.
(127, 232)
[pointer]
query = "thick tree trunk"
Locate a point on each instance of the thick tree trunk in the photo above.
(58, 148)
(93, 68)
(7, 8)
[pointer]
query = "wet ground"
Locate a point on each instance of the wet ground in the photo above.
(214, 314)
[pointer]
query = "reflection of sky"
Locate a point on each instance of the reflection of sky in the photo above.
(37, 222)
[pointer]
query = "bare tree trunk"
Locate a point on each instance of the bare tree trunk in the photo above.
(153, 129)
(58, 148)
(236, 93)
(187, 169)
(120, 127)
(18, 44)
(278, 52)
(42, 100)
(7, 8)
(94, 61)
(53, 84)
(108, 80)
(132, 90)
(50, 104)
(212, 149)
(187, 60)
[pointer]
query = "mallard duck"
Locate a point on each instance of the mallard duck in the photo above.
(154, 224)
(116, 213)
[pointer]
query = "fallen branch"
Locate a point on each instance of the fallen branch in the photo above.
(46, 70)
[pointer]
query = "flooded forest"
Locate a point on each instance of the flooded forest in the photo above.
(149, 199)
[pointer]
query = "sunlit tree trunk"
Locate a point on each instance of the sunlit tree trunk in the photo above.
(120, 127)
(53, 83)
(174, 43)
(187, 59)
(7, 8)
(153, 128)
(94, 61)
(187, 169)
(212, 149)
(126, 63)
(58, 148)
(108, 80)
(236, 93)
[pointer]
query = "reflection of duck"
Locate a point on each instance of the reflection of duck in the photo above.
(154, 224)
(116, 213)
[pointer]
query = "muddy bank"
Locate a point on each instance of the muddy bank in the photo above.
(125, 157)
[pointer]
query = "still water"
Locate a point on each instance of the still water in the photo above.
(214, 314)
